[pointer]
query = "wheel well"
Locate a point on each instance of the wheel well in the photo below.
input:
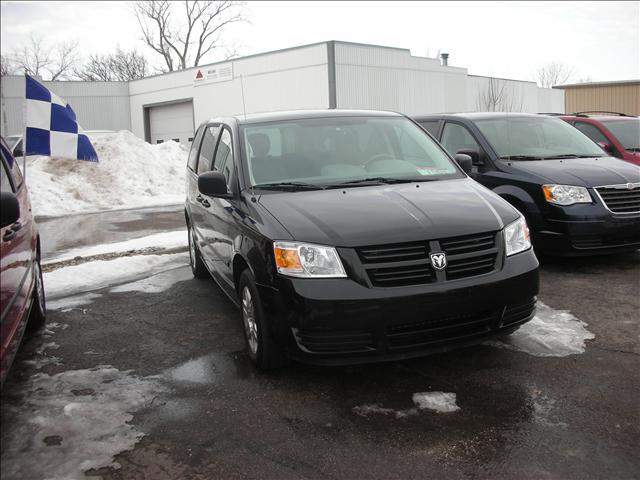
(516, 203)
(239, 266)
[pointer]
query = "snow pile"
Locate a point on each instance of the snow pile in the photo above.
(551, 333)
(440, 402)
(74, 421)
(89, 276)
(165, 240)
(131, 173)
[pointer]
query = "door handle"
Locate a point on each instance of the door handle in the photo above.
(16, 226)
(205, 203)
(8, 235)
(199, 198)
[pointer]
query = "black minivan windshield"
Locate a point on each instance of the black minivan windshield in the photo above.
(341, 152)
(536, 138)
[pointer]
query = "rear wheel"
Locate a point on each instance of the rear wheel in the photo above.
(197, 265)
(37, 315)
(262, 349)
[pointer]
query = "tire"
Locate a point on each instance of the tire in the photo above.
(264, 352)
(38, 311)
(198, 267)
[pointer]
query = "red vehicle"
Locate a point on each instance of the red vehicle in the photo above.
(618, 134)
(22, 299)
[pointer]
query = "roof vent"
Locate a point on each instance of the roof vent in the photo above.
(445, 59)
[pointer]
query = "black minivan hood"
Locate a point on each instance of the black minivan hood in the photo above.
(583, 172)
(376, 215)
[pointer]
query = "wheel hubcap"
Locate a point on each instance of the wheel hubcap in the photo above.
(249, 320)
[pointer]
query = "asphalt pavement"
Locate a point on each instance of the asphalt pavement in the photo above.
(521, 416)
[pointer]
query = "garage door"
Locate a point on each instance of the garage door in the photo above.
(171, 122)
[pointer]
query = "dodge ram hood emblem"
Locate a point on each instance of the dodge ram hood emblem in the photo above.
(438, 260)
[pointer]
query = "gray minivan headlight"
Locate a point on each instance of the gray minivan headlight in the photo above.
(516, 237)
(306, 260)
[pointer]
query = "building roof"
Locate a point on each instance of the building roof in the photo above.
(598, 84)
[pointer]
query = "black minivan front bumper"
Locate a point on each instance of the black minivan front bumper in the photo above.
(340, 321)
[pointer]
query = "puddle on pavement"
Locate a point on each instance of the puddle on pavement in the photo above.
(210, 369)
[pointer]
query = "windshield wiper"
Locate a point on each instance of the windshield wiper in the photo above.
(520, 157)
(370, 181)
(570, 155)
(288, 186)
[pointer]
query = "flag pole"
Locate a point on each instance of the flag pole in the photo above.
(24, 130)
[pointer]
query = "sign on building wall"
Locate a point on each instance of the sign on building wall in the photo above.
(213, 74)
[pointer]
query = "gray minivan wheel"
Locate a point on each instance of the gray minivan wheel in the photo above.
(265, 353)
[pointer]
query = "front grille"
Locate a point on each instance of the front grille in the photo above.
(406, 264)
(334, 341)
(620, 198)
(440, 330)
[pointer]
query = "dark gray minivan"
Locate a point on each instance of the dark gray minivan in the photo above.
(352, 236)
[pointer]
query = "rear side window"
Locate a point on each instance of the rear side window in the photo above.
(456, 137)
(193, 153)
(224, 156)
(592, 132)
(431, 127)
(207, 149)
(5, 185)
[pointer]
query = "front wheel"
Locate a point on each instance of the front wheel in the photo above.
(262, 349)
(37, 315)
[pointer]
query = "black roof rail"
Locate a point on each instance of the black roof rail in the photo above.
(591, 112)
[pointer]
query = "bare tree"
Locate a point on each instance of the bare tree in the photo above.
(553, 73)
(184, 42)
(38, 59)
(7, 67)
(498, 96)
(118, 66)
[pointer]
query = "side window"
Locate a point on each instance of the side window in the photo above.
(431, 127)
(16, 173)
(592, 132)
(5, 183)
(224, 156)
(456, 137)
(193, 152)
(207, 149)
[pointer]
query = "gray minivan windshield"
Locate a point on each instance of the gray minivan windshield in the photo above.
(341, 151)
(536, 138)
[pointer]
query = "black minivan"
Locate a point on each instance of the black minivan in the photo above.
(577, 199)
(352, 236)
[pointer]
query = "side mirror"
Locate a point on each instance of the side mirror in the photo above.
(464, 161)
(213, 184)
(476, 157)
(605, 146)
(9, 209)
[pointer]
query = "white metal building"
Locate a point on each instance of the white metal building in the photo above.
(325, 75)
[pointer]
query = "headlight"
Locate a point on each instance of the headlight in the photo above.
(307, 261)
(566, 194)
(516, 237)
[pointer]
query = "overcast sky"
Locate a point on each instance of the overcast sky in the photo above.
(599, 40)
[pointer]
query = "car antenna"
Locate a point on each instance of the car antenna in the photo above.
(244, 110)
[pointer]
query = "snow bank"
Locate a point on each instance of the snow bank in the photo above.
(551, 333)
(74, 421)
(131, 173)
(165, 240)
(89, 276)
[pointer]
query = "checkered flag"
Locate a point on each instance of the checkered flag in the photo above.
(52, 128)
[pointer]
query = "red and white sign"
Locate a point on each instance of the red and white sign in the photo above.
(222, 72)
